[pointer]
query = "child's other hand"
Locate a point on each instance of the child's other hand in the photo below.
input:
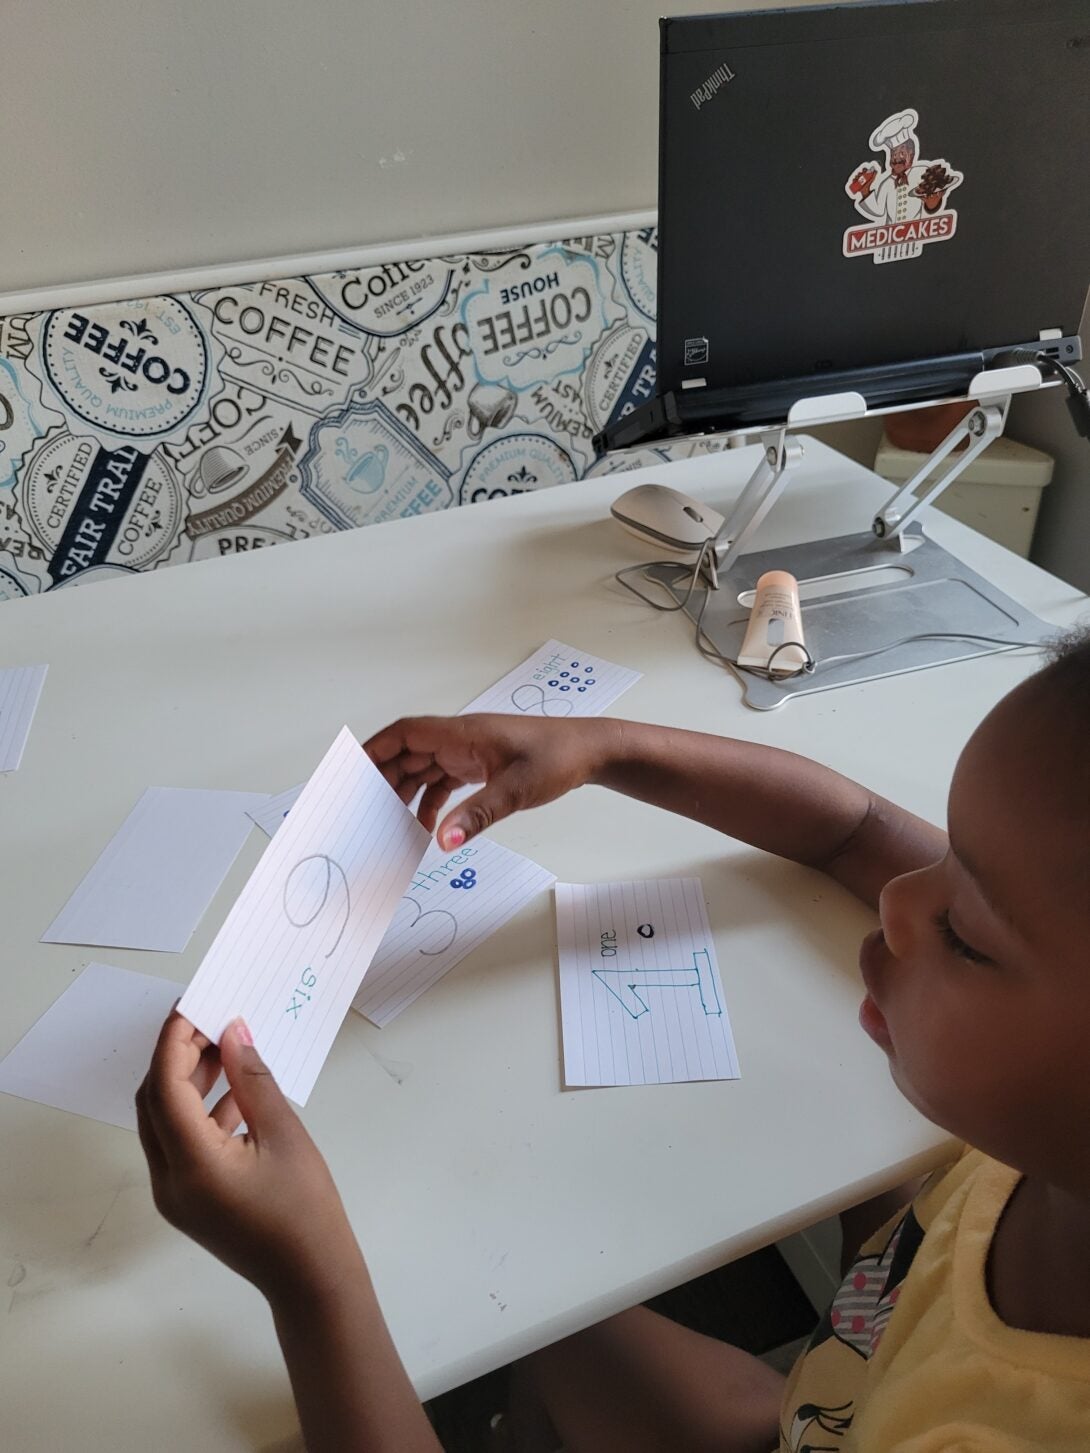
(263, 1202)
(523, 762)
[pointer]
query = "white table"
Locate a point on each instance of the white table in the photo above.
(497, 1211)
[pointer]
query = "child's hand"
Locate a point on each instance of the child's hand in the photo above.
(263, 1202)
(523, 762)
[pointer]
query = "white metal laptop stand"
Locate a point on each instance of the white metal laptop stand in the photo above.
(875, 604)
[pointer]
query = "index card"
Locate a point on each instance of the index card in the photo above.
(454, 902)
(641, 1001)
(557, 680)
(295, 946)
(20, 688)
(90, 1049)
(156, 877)
(272, 813)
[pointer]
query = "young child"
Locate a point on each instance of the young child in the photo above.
(964, 1324)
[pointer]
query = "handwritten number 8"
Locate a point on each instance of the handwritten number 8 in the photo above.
(531, 698)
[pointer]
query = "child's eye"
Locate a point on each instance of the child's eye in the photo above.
(955, 943)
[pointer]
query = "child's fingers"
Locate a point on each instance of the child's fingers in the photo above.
(385, 745)
(171, 1101)
(226, 1114)
(432, 737)
(208, 1069)
(260, 1099)
(411, 764)
(410, 736)
(432, 803)
(153, 1153)
(503, 795)
(408, 787)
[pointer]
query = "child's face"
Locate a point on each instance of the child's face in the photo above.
(979, 979)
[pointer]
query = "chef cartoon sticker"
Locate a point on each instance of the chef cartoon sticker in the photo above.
(905, 204)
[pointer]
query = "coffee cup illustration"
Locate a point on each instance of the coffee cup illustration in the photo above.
(490, 406)
(221, 467)
(366, 471)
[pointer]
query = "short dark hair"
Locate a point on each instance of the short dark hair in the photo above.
(1067, 666)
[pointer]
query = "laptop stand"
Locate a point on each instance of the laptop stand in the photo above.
(875, 604)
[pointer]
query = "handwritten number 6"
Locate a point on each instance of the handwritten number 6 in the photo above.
(330, 868)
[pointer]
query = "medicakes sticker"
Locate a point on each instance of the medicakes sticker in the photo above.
(903, 202)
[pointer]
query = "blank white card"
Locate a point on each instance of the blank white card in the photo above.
(293, 949)
(154, 879)
(90, 1050)
(641, 1001)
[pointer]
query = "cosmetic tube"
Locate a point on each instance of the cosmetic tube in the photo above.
(774, 640)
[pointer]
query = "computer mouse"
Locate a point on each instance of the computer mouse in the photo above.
(666, 517)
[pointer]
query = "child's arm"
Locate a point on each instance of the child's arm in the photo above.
(266, 1205)
(774, 800)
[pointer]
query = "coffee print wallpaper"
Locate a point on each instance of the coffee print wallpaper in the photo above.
(152, 432)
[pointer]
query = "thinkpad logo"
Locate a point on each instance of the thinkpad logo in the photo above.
(720, 77)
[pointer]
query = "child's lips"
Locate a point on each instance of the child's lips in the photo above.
(871, 1017)
(872, 1021)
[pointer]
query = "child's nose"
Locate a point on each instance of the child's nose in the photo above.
(900, 911)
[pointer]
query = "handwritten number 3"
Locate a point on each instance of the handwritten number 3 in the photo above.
(331, 867)
(421, 915)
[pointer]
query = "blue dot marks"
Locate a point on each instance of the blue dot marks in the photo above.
(467, 879)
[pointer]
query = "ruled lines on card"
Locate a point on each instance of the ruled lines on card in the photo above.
(293, 950)
(454, 902)
(272, 812)
(20, 688)
(640, 992)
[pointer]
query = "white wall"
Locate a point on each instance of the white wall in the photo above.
(149, 135)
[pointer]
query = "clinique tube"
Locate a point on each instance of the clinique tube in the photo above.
(774, 640)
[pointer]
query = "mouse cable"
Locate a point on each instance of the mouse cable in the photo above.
(812, 666)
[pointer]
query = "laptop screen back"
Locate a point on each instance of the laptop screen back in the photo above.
(864, 184)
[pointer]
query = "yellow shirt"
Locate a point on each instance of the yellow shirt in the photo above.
(911, 1358)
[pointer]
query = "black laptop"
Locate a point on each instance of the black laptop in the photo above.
(883, 197)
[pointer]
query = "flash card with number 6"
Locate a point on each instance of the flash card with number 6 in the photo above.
(293, 950)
